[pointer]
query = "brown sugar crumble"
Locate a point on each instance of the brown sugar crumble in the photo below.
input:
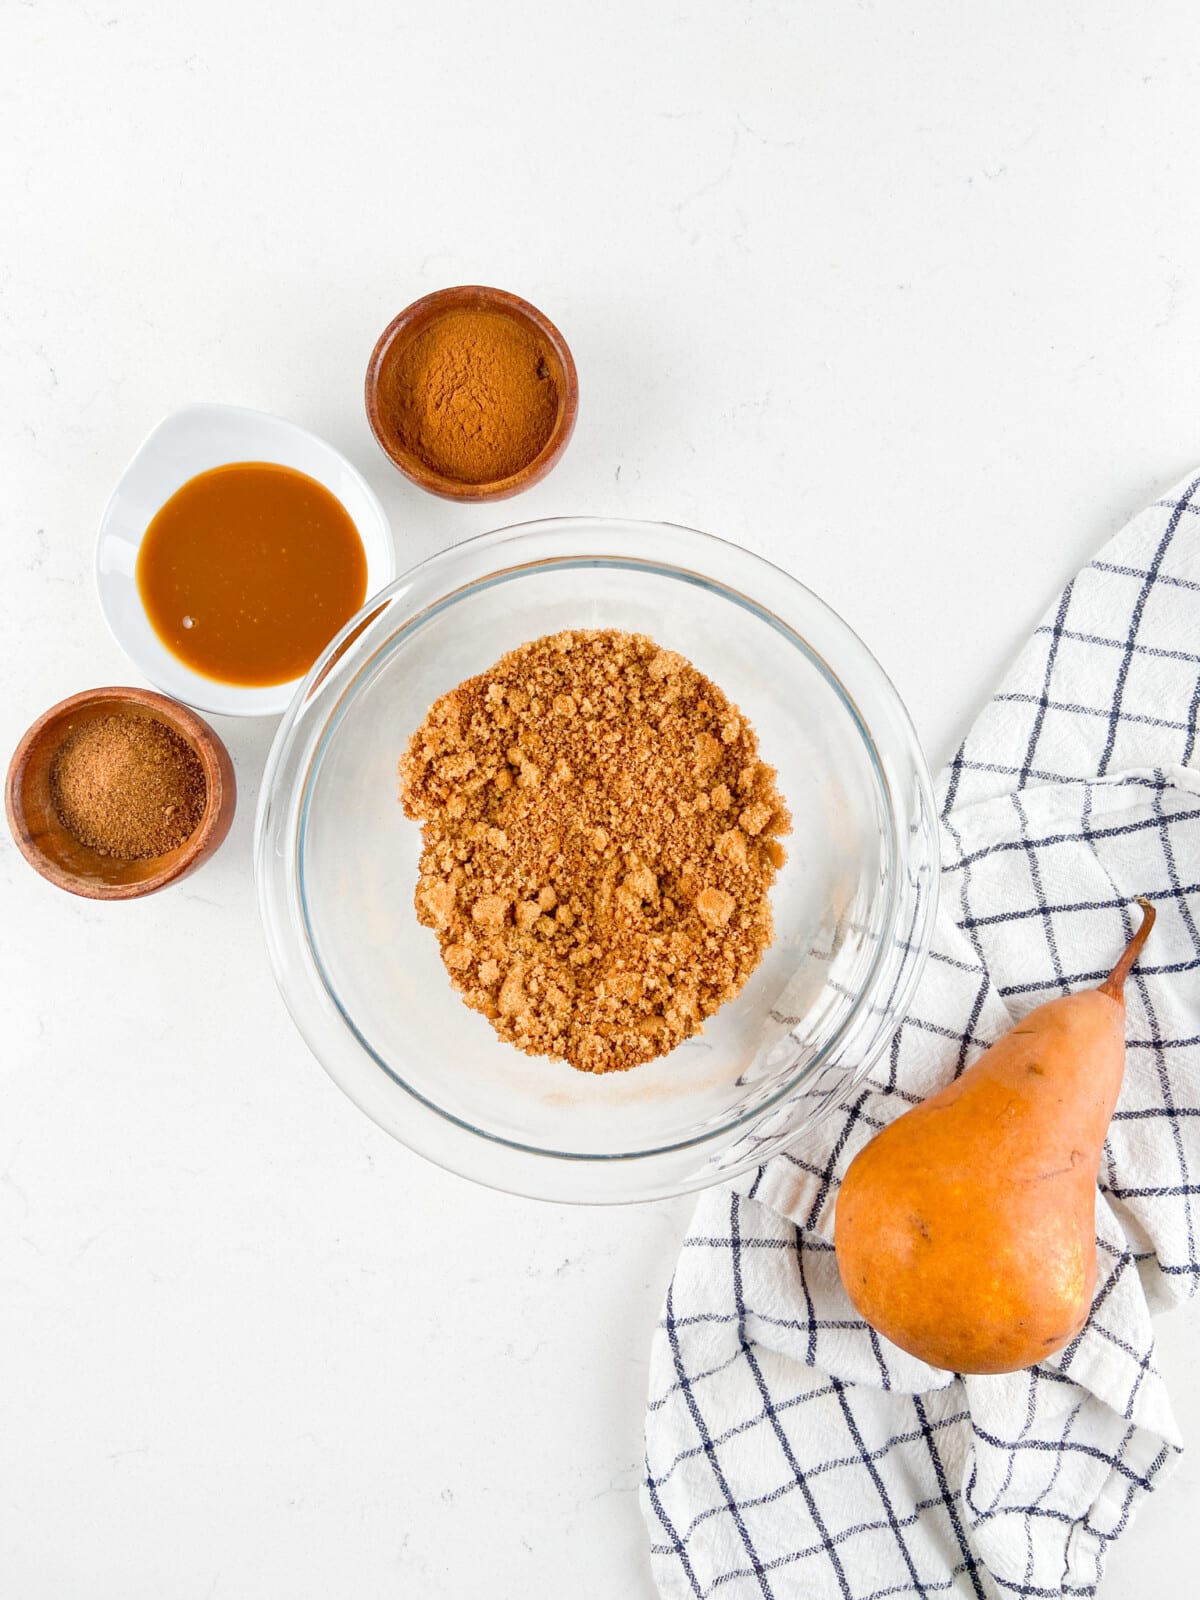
(599, 839)
(128, 787)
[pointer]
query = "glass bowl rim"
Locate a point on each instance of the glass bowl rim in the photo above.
(355, 653)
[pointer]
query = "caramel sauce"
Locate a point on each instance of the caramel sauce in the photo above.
(249, 570)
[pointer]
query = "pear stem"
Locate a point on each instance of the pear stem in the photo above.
(1114, 984)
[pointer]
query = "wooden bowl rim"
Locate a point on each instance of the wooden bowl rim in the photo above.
(475, 297)
(219, 780)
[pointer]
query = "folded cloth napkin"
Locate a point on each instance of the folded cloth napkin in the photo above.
(792, 1451)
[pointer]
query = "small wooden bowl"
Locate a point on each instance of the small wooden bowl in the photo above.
(57, 854)
(412, 321)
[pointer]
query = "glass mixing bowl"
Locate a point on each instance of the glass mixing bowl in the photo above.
(336, 862)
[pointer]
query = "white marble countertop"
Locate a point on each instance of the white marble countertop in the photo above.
(904, 297)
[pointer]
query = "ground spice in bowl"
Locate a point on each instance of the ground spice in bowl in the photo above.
(599, 839)
(128, 787)
(472, 393)
(473, 396)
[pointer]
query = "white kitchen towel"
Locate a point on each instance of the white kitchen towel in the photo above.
(791, 1451)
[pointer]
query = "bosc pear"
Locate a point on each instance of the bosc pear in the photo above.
(965, 1230)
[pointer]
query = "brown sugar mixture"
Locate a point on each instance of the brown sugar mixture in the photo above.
(128, 787)
(472, 395)
(599, 840)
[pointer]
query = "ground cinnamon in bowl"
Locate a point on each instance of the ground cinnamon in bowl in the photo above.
(599, 839)
(128, 787)
(472, 393)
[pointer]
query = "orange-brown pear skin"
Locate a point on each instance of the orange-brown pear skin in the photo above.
(965, 1230)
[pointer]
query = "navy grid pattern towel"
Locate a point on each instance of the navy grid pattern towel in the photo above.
(789, 1449)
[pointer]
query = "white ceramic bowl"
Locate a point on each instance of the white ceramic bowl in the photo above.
(192, 441)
